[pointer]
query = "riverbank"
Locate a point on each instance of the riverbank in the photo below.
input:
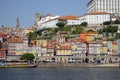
(45, 65)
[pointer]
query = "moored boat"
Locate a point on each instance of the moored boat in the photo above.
(20, 66)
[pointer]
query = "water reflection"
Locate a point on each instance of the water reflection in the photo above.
(60, 74)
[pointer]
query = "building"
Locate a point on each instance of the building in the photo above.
(110, 6)
(63, 50)
(78, 47)
(105, 48)
(70, 20)
(118, 29)
(95, 48)
(88, 36)
(118, 44)
(51, 48)
(114, 48)
(3, 53)
(44, 48)
(17, 23)
(109, 46)
(15, 49)
(61, 37)
(95, 18)
(47, 22)
(15, 46)
(51, 21)
(25, 45)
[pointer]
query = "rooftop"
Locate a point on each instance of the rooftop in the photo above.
(96, 13)
(70, 17)
(15, 40)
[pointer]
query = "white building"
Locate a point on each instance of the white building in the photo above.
(110, 6)
(118, 29)
(70, 20)
(50, 21)
(95, 17)
(95, 48)
(47, 22)
(118, 43)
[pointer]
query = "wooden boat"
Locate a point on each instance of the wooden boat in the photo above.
(20, 66)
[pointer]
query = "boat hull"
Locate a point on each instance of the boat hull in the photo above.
(18, 66)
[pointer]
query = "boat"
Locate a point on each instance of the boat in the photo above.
(19, 66)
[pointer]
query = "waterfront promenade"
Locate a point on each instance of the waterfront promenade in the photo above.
(81, 65)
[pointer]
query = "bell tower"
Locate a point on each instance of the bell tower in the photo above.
(17, 23)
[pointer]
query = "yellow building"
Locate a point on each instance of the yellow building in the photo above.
(42, 43)
(114, 48)
(88, 36)
(63, 50)
(105, 49)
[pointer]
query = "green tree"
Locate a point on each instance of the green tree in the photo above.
(100, 31)
(68, 28)
(90, 30)
(84, 24)
(27, 57)
(117, 36)
(107, 34)
(116, 21)
(32, 35)
(79, 29)
(106, 23)
(111, 39)
(60, 24)
(110, 29)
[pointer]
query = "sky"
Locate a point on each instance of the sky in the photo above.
(25, 10)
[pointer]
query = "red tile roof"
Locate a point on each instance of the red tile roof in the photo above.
(96, 13)
(3, 49)
(51, 44)
(64, 48)
(16, 40)
(88, 33)
(70, 17)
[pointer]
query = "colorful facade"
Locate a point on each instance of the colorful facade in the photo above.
(63, 50)
(3, 53)
(88, 36)
(95, 48)
(15, 46)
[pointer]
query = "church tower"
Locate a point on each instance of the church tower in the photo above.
(37, 19)
(17, 23)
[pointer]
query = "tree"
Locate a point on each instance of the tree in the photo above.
(68, 28)
(117, 36)
(90, 30)
(32, 35)
(106, 23)
(27, 57)
(111, 39)
(60, 24)
(117, 21)
(84, 24)
(110, 29)
(100, 31)
(79, 29)
(107, 34)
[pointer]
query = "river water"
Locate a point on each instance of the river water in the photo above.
(60, 74)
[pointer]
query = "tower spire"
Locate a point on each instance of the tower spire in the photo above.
(17, 23)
